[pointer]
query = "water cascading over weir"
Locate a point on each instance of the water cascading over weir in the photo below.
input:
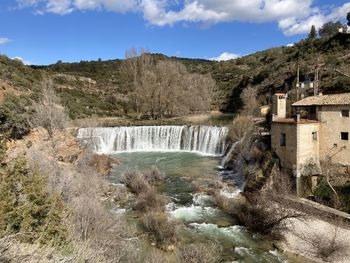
(207, 140)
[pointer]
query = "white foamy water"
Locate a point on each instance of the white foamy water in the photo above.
(234, 233)
(243, 251)
(227, 157)
(191, 213)
(207, 140)
(231, 194)
(203, 200)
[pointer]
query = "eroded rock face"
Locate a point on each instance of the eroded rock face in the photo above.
(64, 144)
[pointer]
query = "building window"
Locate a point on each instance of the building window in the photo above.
(344, 136)
(283, 140)
(314, 136)
(345, 113)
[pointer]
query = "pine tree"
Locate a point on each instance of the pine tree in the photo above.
(348, 18)
(313, 33)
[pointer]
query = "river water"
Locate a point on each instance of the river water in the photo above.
(188, 176)
(189, 156)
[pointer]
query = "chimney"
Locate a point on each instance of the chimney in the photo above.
(279, 105)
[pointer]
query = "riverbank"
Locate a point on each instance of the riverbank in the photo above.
(317, 240)
(189, 183)
(212, 118)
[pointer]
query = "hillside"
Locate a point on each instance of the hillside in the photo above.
(82, 86)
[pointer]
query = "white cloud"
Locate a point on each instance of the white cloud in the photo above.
(25, 62)
(226, 56)
(63, 7)
(119, 6)
(293, 26)
(292, 16)
(4, 40)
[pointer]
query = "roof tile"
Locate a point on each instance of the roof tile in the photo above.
(334, 99)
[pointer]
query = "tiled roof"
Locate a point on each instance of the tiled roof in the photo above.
(294, 121)
(334, 99)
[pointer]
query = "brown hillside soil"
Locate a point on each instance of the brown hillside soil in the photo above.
(5, 88)
(65, 146)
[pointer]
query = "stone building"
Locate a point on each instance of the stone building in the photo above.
(318, 129)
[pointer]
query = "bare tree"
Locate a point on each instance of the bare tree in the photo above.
(135, 67)
(49, 113)
(165, 88)
(242, 127)
(328, 170)
(250, 101)
(269, 210)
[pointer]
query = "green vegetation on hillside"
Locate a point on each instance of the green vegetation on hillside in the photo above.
(15, 116)
(100, 89)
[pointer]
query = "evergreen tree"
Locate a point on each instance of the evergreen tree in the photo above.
(330, 29)
(313, 33)
(27, 208)
(348, 18)
(14, 116)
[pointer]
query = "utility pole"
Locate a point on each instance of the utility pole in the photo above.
(316, 82)
(298, 83)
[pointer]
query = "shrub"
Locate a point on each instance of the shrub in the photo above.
(27, 209)
(136, 182)
(150, 200)
(263, 214)
(153, 176)
(225, 204)
(160, 229)
(199, 253)
(323, 245)
(15, 116)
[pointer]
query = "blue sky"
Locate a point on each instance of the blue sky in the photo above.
(45, 31)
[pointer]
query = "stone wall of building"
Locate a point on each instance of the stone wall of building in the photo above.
(288, 153)
(308, 140)
(332, 124)
(302, 145)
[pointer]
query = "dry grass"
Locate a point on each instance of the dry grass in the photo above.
(156, 256)
(199, 253)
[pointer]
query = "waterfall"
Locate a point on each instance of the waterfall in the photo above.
(228, 156)
(208, 140)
